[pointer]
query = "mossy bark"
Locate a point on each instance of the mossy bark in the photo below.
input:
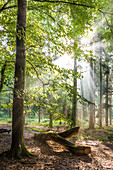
(18, 152)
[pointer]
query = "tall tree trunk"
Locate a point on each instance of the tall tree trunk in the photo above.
(39, 115)
(91, 108)
(18, 148)
(74, 106)
(74, 100)
(100, 110)
(43, 108)
(106, 117)
(50, 119)
(110, 108)
(83, 112)
(29, 111)
(9, 108)
(39, 111)
(2, 76)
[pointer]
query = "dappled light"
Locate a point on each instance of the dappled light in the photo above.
(56, 84)
(52, 155)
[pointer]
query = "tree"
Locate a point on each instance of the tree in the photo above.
(2, 76)
(110, 101)
(74, 105)
(52, 25)
(18, 148)
(107, 75)
(92, 93)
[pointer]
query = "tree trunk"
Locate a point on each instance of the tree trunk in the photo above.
(60, 138)
(106, 117)
(18, 148)
(110, 108)
(29, 112)
(50, 120)
(83, 112)
(2, 76)
(74, 106)
(9, 108)
(39, 113)
(110, 112)
(100, 110)
(92, 109)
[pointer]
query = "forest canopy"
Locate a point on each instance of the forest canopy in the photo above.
(34, 35)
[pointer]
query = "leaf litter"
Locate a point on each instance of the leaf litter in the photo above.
(55, 157)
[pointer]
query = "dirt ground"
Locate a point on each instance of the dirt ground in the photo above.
(55, 157)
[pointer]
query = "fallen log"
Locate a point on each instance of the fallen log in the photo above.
(5, 130)
(69, 133)
(60, 138)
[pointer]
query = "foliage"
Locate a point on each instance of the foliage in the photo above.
(38, 130)
(102, 134)
(53, 28)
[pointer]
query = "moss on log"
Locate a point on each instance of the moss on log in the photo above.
(60, 138)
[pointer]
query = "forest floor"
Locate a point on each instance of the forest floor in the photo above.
(56, 157)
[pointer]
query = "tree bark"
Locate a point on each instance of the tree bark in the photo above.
(110, 108)
(9, 108)
(50, 119)
(92, 109)
(100, 110)
(18, 148)
(74, 106)
(39, 113)
(2, 76)
(106, 117)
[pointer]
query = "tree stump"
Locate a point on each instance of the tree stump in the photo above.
(60, 138)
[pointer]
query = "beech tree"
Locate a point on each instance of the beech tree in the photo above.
(17, 148)
(92, 96)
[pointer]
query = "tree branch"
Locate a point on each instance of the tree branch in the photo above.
(70, 3)
(9, 7)
(8, 90)
(73, 3)
(83, 5)
(30, 7)
(36, 72)
(4, 6)
(110, 27)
